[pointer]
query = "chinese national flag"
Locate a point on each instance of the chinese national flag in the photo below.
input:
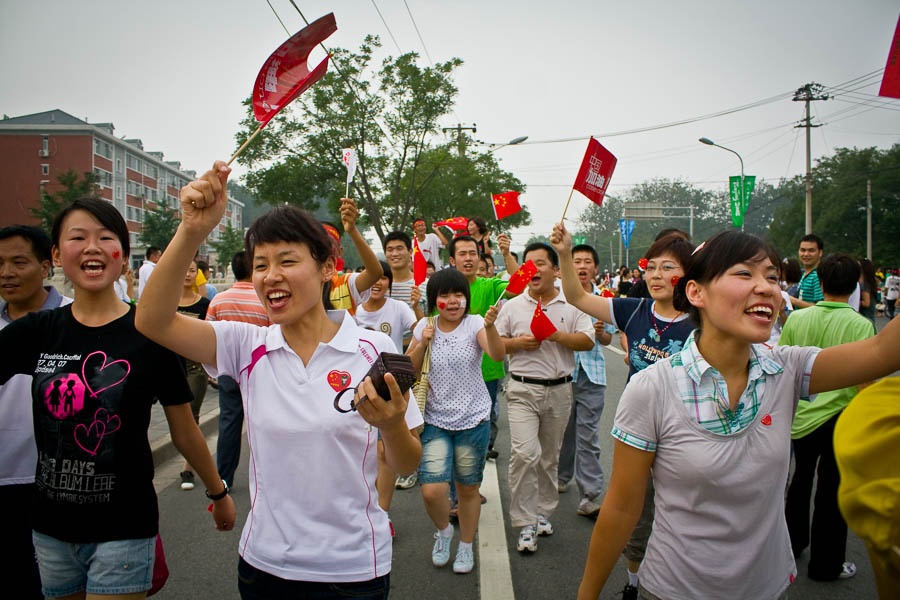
(519, 280)
(596, 170)
(285, 74)
(541, 325)
(454, 223)
(420, 265)
(890, 81)
(506, 204)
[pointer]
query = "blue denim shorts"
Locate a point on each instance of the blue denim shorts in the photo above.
(117, 567)
(460, 454)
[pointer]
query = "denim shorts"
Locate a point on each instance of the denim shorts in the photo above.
(461, 454)
(117, 567)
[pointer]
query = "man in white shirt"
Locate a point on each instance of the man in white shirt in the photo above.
(429, 243)
(152, 257)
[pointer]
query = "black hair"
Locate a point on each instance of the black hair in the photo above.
(791, 271)
(672, 231)
(447, 281)
(289, 224)
(398, 235)
(419, 218)
(41, 245)
(715, 256)
(839, 274)
(554, 257)
(105, 213)
(202, 265)
(480, 223)
(868, 276)
(151, 250)
(587, 248)
(515, 255)
(462, 238)
(240, 266)
(811, 237)
(673, 244)
(386, 272)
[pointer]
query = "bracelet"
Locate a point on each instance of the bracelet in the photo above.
(220, 495)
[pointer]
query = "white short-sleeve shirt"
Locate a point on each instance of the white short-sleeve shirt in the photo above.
(392, 319)
(314, 512)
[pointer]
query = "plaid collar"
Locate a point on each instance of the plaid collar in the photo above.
(696, 366)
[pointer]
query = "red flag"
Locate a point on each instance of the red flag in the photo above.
(890, 81)
(286, 75)
(519, 280)
(420, 265)
(596, 170)
(541, 325)
(506, 204)
(454, 223)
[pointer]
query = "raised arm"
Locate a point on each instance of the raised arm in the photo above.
(203, 203)
(596, 306)
(372, 272)
(857, 362)
(489, 339)
(437, 231)
(509, 260)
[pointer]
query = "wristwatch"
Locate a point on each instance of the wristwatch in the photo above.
(220, 495)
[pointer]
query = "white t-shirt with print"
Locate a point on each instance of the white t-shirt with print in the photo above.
(392, 319)
(431, 250)
(314, 513)
(457, 396)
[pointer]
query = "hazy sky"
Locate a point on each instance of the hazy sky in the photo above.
(174, 74)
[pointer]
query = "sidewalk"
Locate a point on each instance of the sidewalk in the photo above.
(161, 442)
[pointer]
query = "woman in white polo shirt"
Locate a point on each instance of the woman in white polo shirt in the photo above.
(314, 525)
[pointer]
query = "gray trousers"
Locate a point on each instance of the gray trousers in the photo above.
(579, 456)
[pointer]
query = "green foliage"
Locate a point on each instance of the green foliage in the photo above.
(159, 226)
(839, 204)
(401, 171)
(230, 242)
(73, 188)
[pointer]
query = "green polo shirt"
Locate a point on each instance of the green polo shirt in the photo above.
(484, 292)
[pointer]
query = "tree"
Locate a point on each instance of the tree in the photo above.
(159, 226)
(230, 242)
(73, 188)
(401, 171)
(839, 204)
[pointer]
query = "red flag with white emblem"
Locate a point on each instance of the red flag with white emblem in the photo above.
(596, 170)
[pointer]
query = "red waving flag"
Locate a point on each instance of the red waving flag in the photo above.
(541, 325)
(596, 170)
(506, 204)
(519, 280)
(890, 81)
(286, 75)
(454, 223)
(420, 265)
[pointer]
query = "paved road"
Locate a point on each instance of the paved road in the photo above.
(203, 562)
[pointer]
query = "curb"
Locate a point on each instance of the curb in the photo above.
(163, 449)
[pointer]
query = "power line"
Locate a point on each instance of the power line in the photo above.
(418, 33)
(390, 33)
(277, 17)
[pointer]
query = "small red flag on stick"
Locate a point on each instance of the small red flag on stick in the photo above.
(519, 280)
(286, 75)
(420, 265)
(541, 325)
(593, 177)
(890, 81)
(505, 204)
(454, 223)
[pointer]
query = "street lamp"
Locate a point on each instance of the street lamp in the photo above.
(511, 142)
(709, 142)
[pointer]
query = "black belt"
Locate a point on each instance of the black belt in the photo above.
(545, 382)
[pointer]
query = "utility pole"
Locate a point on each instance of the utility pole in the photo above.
(460, 138)
(808, 93)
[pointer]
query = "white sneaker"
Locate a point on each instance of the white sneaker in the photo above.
(404, 482)
(543, 526)
(440, 553)
(465, 560)
(848, 570)
(588, 507)
(187, 480)
(527, 539)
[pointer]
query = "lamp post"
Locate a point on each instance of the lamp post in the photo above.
(709, 142)
(511, 142)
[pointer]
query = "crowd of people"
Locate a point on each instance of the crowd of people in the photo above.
(739, 363)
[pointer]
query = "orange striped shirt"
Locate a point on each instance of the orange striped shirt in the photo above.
(238, 303)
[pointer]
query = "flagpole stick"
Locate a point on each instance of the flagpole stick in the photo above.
(347, 192)
(567, 205)
(245, 144)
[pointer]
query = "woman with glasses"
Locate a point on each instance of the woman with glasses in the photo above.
(654, 330)
(314, 528)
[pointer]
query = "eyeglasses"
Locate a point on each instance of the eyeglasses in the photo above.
(665, 269)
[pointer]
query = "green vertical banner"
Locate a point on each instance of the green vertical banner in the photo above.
(578, 240)
(740, 202)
